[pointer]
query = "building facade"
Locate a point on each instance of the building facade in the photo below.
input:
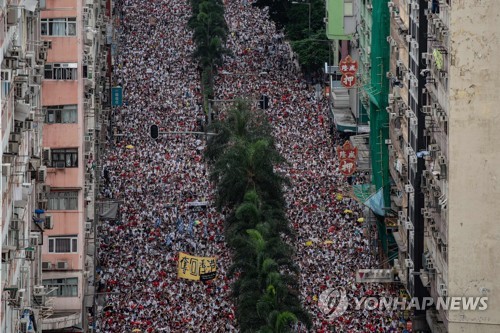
(72, 90)
(22, 59)
(442, 137)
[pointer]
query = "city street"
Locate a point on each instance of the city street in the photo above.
(159, 180)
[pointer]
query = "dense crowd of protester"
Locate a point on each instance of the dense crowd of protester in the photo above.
(157, 181)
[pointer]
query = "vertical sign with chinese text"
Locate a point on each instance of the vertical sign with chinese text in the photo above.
(348, 67)
(116, 96)
(347, 155)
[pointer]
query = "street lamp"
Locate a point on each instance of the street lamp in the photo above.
(309, 4)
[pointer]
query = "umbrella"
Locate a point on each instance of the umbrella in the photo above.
(309, 243)
(360, 220)
(331, 229)
(339, 197)
(328, 242)
(136, 330)
(348, 211)
(129, 147)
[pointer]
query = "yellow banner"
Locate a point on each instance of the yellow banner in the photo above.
(191, 267)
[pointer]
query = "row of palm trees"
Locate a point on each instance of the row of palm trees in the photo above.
(243, 157)
(209, 35)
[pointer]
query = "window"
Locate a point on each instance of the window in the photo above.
(65, 287)
(63, 244)
(58, 26)
(6, 84)
(64, 158)
(348, 8)
(62, 200)
(61, 114)
(67, 71)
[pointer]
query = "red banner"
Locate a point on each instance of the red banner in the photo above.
(347, 155)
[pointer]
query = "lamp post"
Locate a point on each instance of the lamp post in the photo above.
(309, 4)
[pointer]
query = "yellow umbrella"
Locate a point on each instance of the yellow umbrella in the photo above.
(136, 330)
(340, 197)
(309, 243)
(347, 211)
(129, 147)
(361, 220)
(328, 242)
(315, 298)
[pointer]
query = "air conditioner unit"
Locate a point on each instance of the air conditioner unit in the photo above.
(414, 6)
(368, 50)
(6, 170)
(34, 240)
(413, 121)
(39, 290)
(48, 223)
(414, 44)
(46, 265)
(427, 56)
(427, 214)
(62, 265)
(389, 109)
(60, 165)
(443, 75)
(442, 290)
(88, 138)
(88, 226)
(29, 255)
(45, 188)
(389, 39)
(413, 159)
(433, 147)
(408, 263)
(408, 38)
(408, 225)
(390, 4)
(41, 174)
(14, 137)
(388, 141)
(391, 98)
(401, 213)
(441, 159)
(14, 147)
(426, 109)
(409, 188)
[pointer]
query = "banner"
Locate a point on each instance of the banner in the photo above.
(192, 267)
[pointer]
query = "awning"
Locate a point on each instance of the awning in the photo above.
(29, 5)
(62, 320)
(21, 111)
(401, 244)
(344, 120)
(108, 210)
(370, 197)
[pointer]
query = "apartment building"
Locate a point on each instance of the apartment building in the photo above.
(444, 157)
(22, 58)
(72, 90)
